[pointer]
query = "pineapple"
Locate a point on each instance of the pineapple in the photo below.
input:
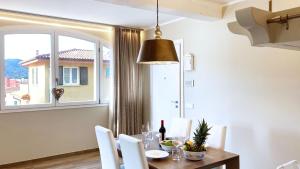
(200, 137)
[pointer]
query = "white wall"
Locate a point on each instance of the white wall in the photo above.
(254, 91)
(31, 135)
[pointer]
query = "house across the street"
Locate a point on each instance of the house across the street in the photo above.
(76, 75)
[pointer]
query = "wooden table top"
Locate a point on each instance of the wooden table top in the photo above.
(213, 158)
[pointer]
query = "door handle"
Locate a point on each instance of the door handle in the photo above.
(176, 102)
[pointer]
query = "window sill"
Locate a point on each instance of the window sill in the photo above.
(52, 108)
(71, 85)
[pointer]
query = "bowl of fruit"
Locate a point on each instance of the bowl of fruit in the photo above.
(195, 149)
(168, 145)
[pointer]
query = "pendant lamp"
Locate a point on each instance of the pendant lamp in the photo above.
(157, 50)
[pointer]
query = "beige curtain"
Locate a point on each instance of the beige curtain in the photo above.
(127, 103)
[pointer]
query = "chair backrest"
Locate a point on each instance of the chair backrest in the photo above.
(180, 127)
(133, 153)
(217, 137)
(107, 147)
(290, 165)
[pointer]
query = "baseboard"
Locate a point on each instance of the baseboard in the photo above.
(49, 158)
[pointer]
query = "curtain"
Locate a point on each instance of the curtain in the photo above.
(127, 112)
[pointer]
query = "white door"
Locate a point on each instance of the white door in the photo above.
(166, 91)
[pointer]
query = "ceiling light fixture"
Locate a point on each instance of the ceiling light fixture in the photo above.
(157, 50)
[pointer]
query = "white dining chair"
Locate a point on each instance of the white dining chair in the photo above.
(217, 139)
(290, 165)
(180, 127)
(107, 146)
(133, 153)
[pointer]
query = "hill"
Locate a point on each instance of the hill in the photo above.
(14, 70)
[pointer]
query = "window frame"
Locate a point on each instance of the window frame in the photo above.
(97, 42)
(18, 30)
(54, 34)
(109, 46)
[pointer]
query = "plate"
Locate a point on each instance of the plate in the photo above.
(156, 154)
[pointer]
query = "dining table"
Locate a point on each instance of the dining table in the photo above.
(213, 158)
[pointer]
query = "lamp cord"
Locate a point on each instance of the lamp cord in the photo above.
(156, 12)
(157, 29)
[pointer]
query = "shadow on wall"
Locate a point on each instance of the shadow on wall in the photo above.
(241, 140)
(284, 145)
(259, 146)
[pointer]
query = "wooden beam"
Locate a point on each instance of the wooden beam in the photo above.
(196, 9)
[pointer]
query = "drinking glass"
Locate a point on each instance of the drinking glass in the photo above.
(147, 139)
(176, 154)
(180, 141)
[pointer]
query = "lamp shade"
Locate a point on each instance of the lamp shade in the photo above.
(157, 51)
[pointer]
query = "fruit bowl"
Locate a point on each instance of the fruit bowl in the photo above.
(194, 156)
(168, 145)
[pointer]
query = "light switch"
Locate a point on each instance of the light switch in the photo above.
(189, 106)
(189, 83)
(188, 62)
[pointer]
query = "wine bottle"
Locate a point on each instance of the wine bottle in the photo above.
(162, 130)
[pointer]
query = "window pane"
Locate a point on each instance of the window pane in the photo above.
(32, 75)
(27, 76)
(106, 74)
(36, 76)
(74, 75)
(79, 57)
(67, 75)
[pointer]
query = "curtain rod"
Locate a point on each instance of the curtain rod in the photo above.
(281, 19)
(67, 19)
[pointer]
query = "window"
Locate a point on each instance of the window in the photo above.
(70, 75)
(35, 76)
(106, 73)
(26, 80)
(35, 63)
(77, 64)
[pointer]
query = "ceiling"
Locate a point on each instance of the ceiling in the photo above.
(134, 13)
(224, 2)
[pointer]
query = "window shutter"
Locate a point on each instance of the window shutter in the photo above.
(84, 76)
(61, 75)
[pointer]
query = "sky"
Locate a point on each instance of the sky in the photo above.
(24, 46)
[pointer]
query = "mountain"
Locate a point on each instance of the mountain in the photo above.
(14, 70)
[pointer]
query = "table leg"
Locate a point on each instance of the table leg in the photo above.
(233, 163)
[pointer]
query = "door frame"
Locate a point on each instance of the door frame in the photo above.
(181, 79)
